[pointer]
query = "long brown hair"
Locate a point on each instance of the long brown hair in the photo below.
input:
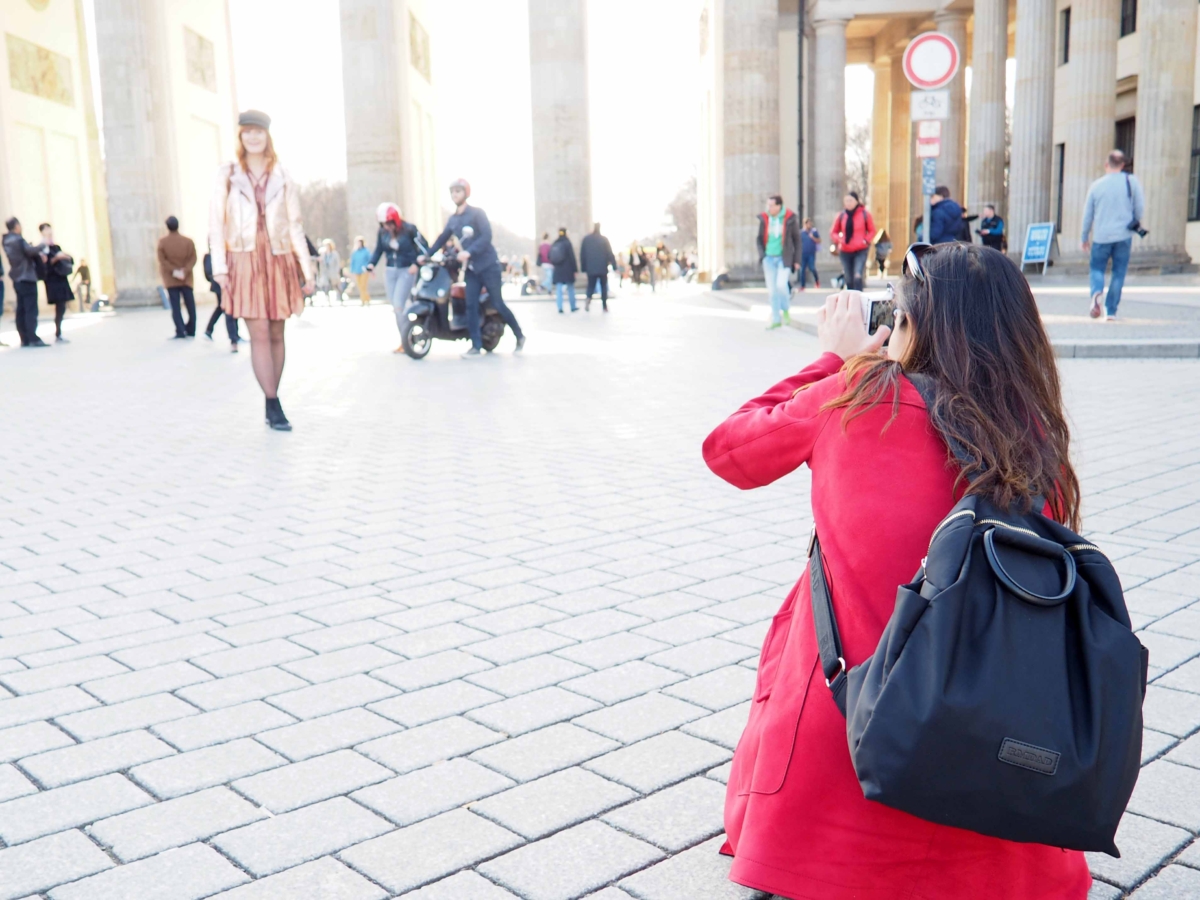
(268, 154)
(975, 329)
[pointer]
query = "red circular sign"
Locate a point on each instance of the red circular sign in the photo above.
(931, 60)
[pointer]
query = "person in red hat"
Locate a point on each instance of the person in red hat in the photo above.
(403, 243)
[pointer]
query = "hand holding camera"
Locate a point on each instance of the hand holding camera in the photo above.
(844, 323)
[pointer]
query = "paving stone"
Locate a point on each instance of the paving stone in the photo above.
(174, 823)
(61, 808)
(640, 717)
(686, 628)
(31, 868)
(340, 663)
(432, 790)
(433, 614)
(210, 728)
(44, 705)
(537, 808)
(255, 656)
(290, 787)
(165, 678)
(612, 650)
(1144, 844)
(531, 711)
(188, 873)
(1190, 856)
(332, 696)
(1154, 743)
(724, 728)
(1185, 678)
(675, 818)
(26, 740)
(1172, 883)
(99, 757)
(463, 886)
(541, 752)
(429, 850)
(1170, 711)
(439, 702)
(321, 879)
(1167, 650)
(716, 690)
(519, 645)
(140, 713)
(701, 656)
(253, 685)
(515, 618)
(433, 640)
(570, 863)
(658, 761)
(701, 871)
(430, 670)
(426, 744)
(198, 769)
(527, 675)
(622, 682)
(158, 652)
(1166, 792)
(598, 624)
(351, 634)
(279, 843)
(1102, 891)
(327, 733)
(13, 784)
(76, 671)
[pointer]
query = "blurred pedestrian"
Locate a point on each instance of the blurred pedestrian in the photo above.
(83, 285)
(562, 255)
(402, 243)
(176, 259)
(329, 272)
(1112, 214)
(545, 264)
(258, 241)
(55, 269)
(22, 271)
(596, 258)
(810, 240)
(779, 254)
(991, 228)
(358, 269)
(231, 323)
(883, 248)
(945, 217)
(851, 234)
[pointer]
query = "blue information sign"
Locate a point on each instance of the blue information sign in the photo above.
(1039, 238)
(928, 176)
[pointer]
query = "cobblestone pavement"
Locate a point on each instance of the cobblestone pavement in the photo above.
(475, 630)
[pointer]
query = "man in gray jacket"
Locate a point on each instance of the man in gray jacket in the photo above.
(1113, 210)
(22, 269)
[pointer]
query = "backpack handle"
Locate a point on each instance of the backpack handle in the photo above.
(989, 547)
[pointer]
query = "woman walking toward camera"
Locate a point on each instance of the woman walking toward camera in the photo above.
(258, 242)
(797, 822)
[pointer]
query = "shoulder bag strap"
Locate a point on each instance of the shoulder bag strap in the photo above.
(829, 641)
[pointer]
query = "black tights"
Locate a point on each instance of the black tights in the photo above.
(60, 309)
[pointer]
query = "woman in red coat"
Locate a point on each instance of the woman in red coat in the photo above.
(882, 478)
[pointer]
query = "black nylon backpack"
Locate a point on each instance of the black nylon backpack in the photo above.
(1005, 695)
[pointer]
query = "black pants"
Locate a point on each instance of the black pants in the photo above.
(27, 311)
(231, 324)
(598, 283)
(188, 298)
(492, 280)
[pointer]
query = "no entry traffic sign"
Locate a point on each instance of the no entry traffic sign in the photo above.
(931, 60)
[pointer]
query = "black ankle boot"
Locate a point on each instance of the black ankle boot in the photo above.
(275, 417)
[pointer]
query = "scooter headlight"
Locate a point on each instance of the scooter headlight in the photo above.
(412, 317)
(427, 273)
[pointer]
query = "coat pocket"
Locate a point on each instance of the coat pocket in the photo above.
(772, 650)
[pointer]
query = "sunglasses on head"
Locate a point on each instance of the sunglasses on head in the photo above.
(912, 260)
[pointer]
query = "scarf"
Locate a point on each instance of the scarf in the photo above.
(848, 229)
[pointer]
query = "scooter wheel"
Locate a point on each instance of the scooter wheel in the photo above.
(419, 344)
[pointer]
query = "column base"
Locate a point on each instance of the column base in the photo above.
(136, 297)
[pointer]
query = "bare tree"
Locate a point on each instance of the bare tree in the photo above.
(858, 158)
(323, 209)
(682, 210)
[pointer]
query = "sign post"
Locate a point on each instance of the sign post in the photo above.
(1040, 240)
(931, 61)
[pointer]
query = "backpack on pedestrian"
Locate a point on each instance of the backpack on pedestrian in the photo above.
(1005, 694)
(558, 253)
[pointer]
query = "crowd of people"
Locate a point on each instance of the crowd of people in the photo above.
(44, 262)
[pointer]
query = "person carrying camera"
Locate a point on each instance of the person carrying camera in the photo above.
(1112, 214)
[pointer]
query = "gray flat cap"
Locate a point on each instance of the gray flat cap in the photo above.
(254, 118)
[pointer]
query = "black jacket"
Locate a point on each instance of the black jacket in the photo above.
(564, 271)
(409, 245)
(22, 258)
(596, 255)
(474, 233)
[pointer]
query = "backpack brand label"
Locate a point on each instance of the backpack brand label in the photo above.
(1027, 756)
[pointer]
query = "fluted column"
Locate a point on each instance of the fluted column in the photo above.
(829, 135)
(1167, 29)
(899, 217)
(881, 141)
(562, 168)
(1091, 108)
(751, 126)
(953, 24)
(1032, 121)
(985, 174)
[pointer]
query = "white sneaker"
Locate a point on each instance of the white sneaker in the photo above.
(1110, 318)
(1094, 312)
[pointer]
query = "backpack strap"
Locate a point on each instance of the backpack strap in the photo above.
(829, 640)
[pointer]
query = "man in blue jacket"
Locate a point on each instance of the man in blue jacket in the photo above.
(474, 232)
(945, 217)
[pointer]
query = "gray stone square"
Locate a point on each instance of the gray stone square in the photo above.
(321, 879)
(675, 818)
(724, 728)
(1144, 844)
(253, 685)
(537, 808)
(195, 770)
(438, 702)
(425, 744)
(701, 656)
(622, 682)
(1172, 883)
(434, 789)
(188, 873)
(541, 752)
(222, 725)
(55, 768)
(659, 761)
(1166, 792)
(31, 868)
(612, 650)
(527, 675)
(58, 809)
(531, 711)
(463, 886)
(699, 871)
(716, 690)
(438, 668)
(641, 717)
(286, 788)
(327, 733)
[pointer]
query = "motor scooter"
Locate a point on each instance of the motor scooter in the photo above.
(437, 310)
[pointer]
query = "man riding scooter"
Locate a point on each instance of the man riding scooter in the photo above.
(470, 225)
(402, 242)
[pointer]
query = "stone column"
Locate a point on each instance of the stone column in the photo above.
(750, 129)
(900, 166)
(953, 24)
(1091, 108)
(985, 174)
(881, 142)
(1167, 30)
(829, 135)
(137, 146)
(562, 168)
(371, 91)
(1032, 121)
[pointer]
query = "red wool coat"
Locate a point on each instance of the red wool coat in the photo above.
(796, 819)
